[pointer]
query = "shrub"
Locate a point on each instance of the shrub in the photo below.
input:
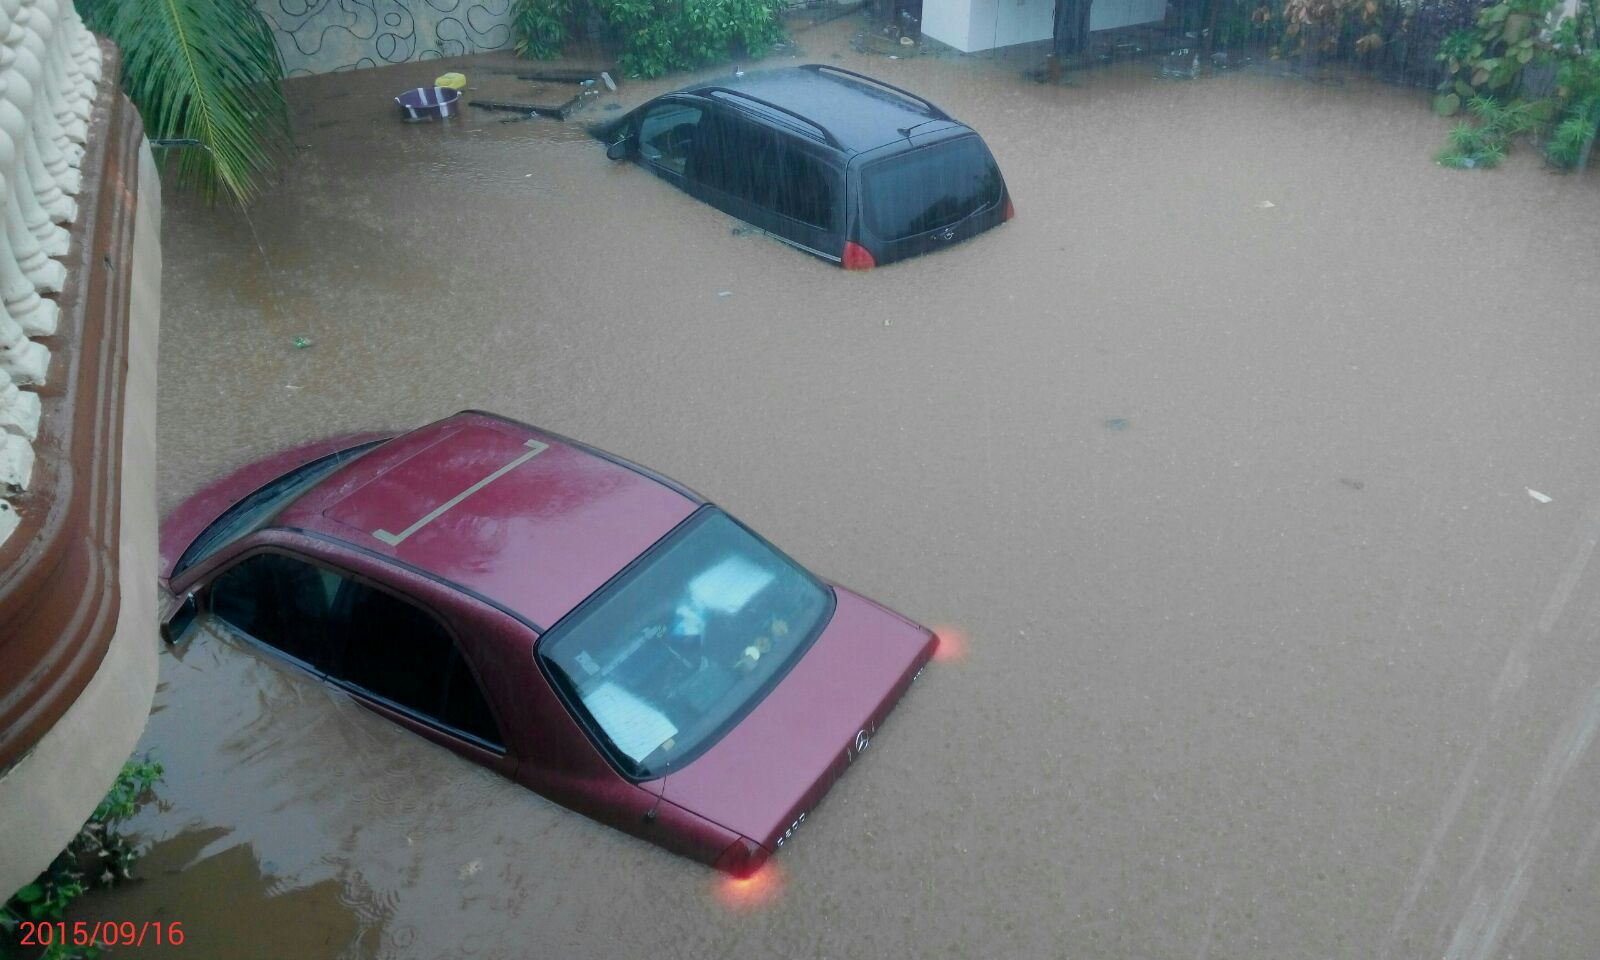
(1487, 65)
(99, 855)
(1487, 142)
(656, 36)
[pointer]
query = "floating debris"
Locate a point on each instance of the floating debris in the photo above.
(300, 343)
(528, 109)
(561, 75)
(1181, 64)
(1541, 497)
(1117, 423)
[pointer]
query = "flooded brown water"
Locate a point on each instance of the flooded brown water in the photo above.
(1269, 651)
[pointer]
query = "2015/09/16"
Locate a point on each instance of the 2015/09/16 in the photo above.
(102, 933)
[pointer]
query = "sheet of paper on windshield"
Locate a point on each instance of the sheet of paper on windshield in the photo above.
(634, 726)
(729, 585)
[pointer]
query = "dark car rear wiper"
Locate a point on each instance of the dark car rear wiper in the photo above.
(906, 131)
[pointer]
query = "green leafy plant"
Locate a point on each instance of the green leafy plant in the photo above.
(1486, 66)
(1489, 58)
(1577, 88)
(1456, 47)
(655, 36)
(1486, 142)
(1573, 138)
(205, 70)
(99, 855)
(1313, 28)
(540, 28)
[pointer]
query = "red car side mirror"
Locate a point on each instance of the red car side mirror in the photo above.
(179, 619)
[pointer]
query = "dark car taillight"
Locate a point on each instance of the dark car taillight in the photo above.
(1010, 210)
(856, 257)
(742, 858)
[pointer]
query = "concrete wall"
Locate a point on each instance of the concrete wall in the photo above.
(320, 36)
(970, 25)
(48, 794)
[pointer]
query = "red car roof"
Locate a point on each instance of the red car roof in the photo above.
(532, 521)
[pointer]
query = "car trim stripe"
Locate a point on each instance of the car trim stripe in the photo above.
(394, 539)
(605, 455)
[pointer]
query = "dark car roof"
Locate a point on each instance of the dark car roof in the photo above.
(530, 520)
(858, 112)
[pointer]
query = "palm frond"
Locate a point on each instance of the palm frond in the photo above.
(207, 70)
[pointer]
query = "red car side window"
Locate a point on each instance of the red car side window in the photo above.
(401, 654)
(349, 631)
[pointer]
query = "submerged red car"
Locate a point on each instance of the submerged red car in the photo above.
(578, 623)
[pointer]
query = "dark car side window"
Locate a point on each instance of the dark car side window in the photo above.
(805, 187)
(758, 164)
(356, 634)
(741, 160)
(667, 135)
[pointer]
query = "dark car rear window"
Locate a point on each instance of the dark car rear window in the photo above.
(929, 188)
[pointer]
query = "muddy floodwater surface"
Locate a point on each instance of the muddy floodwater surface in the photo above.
(1217, 458)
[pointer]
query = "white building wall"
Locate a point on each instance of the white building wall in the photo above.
(1108, 14)
(947, 21)
(1001, 23)
(970, 25)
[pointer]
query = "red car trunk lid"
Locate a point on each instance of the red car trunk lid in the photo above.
(779, 761)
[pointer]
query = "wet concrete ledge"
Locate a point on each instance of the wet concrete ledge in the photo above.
(77, 577)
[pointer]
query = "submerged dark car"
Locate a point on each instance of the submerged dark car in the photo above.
(843, 166)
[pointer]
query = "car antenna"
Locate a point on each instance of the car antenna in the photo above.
(906, 131)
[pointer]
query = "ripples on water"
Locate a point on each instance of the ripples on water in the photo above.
(1212, 699)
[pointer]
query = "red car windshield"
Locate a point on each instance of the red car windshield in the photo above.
(675, 651)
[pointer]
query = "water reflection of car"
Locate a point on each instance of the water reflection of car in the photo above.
(849, 168)
(579, 624)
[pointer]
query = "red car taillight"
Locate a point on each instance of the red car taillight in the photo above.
(1010, 210)
(742, 858)
(856, 257)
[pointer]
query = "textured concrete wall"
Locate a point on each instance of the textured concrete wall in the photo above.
(51, 791)
(320, 36)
